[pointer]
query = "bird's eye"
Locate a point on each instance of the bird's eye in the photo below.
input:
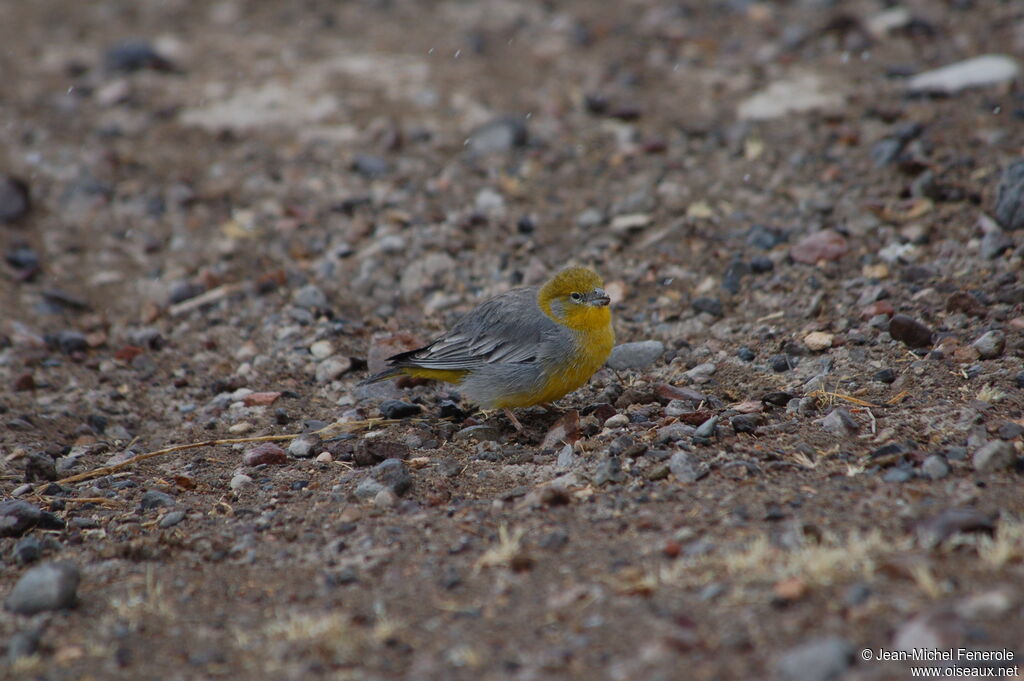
(576, 297)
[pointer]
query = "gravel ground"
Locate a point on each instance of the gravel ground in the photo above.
(215, 218)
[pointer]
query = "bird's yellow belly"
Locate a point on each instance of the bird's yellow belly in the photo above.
(595, 348)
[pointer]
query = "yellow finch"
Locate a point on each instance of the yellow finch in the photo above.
(526, 346)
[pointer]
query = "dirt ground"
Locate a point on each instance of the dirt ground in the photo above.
(236, 207)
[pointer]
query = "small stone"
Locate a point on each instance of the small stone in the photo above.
(732, 281)
(798, 93)
(40, 467)
(686, 468)
(886, 376)
(385, 498)
(22, 644)
(368, 489)
(707, 429)
(990, 345)
(18, 517)
(310, 297)
(135, 55)
(265, 453)
(609, 470)
(827, 245)
(500, 135)
(321, 349)
(396, 409)
(711, 306)
(565, 430)
(988, 69)
(370, 166)
(898, 475)
(331, 368)
(1010, 199)
(994, 456)
(761, 264)
(909, 331)
(394, 475)
(304, 446)
(481, 433)
(673, 432)
(617, 421)
(934, 530)
(239, 481)
(780, 363)
(50, 586)
(816, 341)
(171, 519)
(935, 467)
(14, 199)
(630, 222)
(840, 422)
(590, 218)
(994, 244)
(566, 457)
(70, 342)
(155, 499)
(324, 457)
(962, 301)
(820, 659)
(637, 355)
(27, 550)
(746, 423)
(764, 237)
(264, 399)
(746, 354)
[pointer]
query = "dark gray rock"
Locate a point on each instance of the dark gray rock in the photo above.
(50, 586)
(171, 519)
(27, 550)
(994, 244)
(394, 475)
(910, 331)
(14, 199)
(1010, 199)
(155, 499)
(746, 423)
(396, 409)
(18, 517)
(712, 306)
(686, 467)
(135, 55)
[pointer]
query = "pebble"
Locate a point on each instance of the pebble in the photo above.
(239, 481)
(566, 457)
(636, 355)
(816, 341)
(18, 517)
(14, 199)
(820, 659)
(321, 349)
(910, 331)
(155, 499)
(368, 489)
(617, 421)
(686, 468)
(481, 433)
(171, 519)
(707, 429)
(990, 345)
(827, 245)
(673, 433)
(799, 93)
(1010, 199)
(994, 244)
(701, 373)
(993, 456)
(746, 423)
(40, 467)
(935, 467)
(324, 457)
(590, 218)
(712, 306)
(49, 586)
(746, 354)
(27, 550)
(135, 55)
(310, 297)
(393, 474)
(988, 69)
(609, 470)
(22, 644)
(332, 368)
(370, 166)
(71, 341)
(732, 281)
(304, 446)
(965, 302)
(396, 409)
(265, 453)
(500, 135)
(886, 376)
(566, 430)
(240, 428)
(840, 422)
(934, 530)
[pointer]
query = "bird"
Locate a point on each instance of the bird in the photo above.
(527, 346)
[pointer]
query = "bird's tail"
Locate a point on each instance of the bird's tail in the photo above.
(390, 372)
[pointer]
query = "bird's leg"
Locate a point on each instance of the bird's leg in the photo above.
(513, 419)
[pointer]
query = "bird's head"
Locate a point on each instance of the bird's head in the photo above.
(576, 298)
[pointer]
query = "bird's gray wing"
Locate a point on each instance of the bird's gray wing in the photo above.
(508, 328)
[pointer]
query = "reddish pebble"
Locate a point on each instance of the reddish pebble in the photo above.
(25, 382)
(267, 452)
(672, 548)
(877, 308)
(260, 399)
(827, 245)
(128, 353)
(667, 391)
(566, 430)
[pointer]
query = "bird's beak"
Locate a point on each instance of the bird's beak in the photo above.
(599, 298)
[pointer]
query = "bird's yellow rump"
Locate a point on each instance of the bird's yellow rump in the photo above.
(524, 347)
